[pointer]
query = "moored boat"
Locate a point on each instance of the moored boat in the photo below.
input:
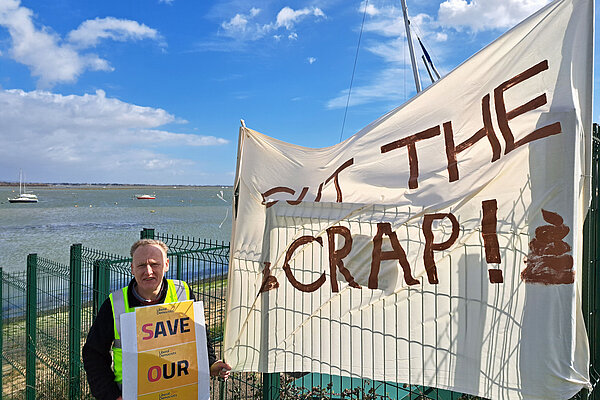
(23, 197)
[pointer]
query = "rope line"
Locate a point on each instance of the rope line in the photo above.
(362, 25)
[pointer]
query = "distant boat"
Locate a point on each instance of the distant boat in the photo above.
(23, 197)
(145, 197)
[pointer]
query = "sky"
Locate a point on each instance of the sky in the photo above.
(153, 91)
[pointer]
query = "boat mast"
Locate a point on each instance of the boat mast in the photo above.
(410, 46)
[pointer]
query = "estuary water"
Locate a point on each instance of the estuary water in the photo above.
(108, 219)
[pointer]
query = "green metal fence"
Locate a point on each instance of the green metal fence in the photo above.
(46, 312)
(47, 352)
(591, 276)
(13, 287)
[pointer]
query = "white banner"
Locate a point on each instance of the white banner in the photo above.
(442, 244)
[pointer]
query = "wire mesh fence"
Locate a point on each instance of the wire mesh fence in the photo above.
(14, 303)
(48, 310)
(51, 328)
(67, 298)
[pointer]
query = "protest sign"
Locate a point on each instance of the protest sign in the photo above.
(439, 246)
(164, 352)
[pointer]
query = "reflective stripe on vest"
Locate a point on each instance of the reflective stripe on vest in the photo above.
(177, 291)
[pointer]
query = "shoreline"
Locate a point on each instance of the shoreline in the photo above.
(99, 186)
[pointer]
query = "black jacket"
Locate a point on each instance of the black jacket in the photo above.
(97, 359)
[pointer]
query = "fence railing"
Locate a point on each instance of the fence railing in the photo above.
(47, 311)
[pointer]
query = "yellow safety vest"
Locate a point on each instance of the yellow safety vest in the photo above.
(177, 291)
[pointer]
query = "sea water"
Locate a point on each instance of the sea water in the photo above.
(105, 218)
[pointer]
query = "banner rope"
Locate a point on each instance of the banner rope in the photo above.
(362, 25)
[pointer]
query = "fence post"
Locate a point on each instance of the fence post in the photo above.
(586, 290)
(591, 250)
(179, 271)
(101, 284)
(30, 326)
(271, 384)
(147, 233)
(591, 278)
(75, 322)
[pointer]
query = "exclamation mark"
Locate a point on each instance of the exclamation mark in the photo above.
(490, 239)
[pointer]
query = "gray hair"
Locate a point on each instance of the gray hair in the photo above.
(148, 242)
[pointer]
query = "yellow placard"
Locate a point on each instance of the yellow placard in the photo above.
(165, 325)
(180, 393)
(166, 368)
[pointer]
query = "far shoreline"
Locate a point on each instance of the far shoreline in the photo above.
(115, 186)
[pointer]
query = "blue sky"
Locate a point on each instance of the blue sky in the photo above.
(152, 91)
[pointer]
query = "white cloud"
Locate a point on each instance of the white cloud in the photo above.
(240, 21)
(53, 60)
(486, 14)
(89, 33)
(89, 135)
(386, 21)
(288, 17)
(311, 60)
(247, 27)
(169, 2)
(441, 37)
(383, 88)
(162, 138)
(242, 27)
(386, 38)
(371, 9)
(391, 51)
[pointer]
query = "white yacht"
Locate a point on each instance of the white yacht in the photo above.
(23, 197)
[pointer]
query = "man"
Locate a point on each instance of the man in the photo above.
(148, 287)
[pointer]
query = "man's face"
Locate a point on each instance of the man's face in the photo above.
(149, 265)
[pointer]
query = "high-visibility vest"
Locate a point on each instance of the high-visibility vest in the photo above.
(177, 291)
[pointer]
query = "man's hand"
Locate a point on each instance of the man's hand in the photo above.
(221, 369)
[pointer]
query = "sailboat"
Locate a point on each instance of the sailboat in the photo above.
(23, 197)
